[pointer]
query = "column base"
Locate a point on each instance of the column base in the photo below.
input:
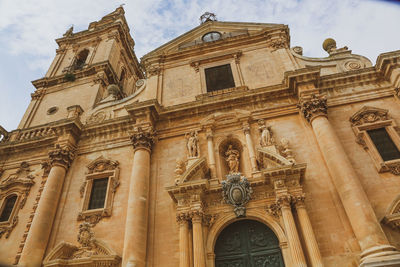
(380, 256)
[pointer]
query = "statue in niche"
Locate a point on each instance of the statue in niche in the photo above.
(232, 157)
(266, 135)
(192, 144)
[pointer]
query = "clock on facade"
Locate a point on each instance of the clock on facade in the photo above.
(211, 36)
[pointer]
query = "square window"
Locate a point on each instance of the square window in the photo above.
(219, 77)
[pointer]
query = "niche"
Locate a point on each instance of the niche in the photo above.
(80, 60)
(230, 150)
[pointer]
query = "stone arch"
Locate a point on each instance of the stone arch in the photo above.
(251, 214)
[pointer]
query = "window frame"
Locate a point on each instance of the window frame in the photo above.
(99, 169)
(370, 118)
(203, 79)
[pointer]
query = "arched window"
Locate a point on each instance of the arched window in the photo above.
(7, 208)
(80, 59)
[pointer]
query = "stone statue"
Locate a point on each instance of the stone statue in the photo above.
(266, 136)
(68, 33)
(286, 151)
(192, 144)
(232, 157)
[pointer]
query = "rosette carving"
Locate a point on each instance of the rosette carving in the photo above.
(61, 156)
(314, 107)
(143, 138)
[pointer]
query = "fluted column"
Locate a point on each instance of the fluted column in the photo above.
(309, 238)
(250, 146)
(211, 156)
(199, 259)
(42, 224)
(362, 217)
(291, 232)
(184, 254)
(135, 240)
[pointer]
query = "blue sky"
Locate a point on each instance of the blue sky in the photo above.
(28, 30)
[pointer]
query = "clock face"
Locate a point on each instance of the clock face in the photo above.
(211, 36)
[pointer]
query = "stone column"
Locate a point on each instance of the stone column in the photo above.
(250, 146)
(308, 233)
(362, 217)
(211, 156)
(298, 259)
(184, 254)
(135, 240)
(199, 258)
(42, 224)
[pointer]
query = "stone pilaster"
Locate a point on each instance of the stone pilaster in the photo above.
(284, 203)
(370, 236)
(199, 259)
(184, 252)
(39, 233)
(309, 238)
(135, 239)
(250, 146)
(211, 156)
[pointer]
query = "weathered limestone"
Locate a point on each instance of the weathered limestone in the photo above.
(358, 208)
(250, 147)
(38, 237)
(291, 232)
(184, 258)
(198, 241)
(135, 240)
(210, 148)
(309, 238)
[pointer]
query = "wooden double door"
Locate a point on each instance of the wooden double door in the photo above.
(247, 243)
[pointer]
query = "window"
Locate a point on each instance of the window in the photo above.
(8, 207)
(376, 132)
(219, 77)
(384, 144)
(98, 189)
(80, 60)
(98, 194)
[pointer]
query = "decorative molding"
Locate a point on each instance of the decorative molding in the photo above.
(368, 114)
(7, 228)
(143, 138)
(236, 191)
(392, 217)
(313, 107)
(394, 167)
(61, 156)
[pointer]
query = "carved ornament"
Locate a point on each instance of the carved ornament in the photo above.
(313, 107)
(368, 115)
(236, 191)
(5, 229)
(394, 167)
(143, 138)
(61, 156)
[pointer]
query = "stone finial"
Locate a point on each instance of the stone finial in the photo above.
(207, 16)
(143, 138)
(313, 107)
(61, 156)
(329, 44)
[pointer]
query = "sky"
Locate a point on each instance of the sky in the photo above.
(28, 30)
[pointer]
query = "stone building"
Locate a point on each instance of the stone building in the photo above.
(222, 147)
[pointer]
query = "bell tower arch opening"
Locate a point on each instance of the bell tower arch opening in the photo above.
(248, 243)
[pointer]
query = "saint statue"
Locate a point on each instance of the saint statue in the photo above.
(266, 136)
(192, 144)
(232, 157)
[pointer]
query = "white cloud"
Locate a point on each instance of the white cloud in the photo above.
(28, 28)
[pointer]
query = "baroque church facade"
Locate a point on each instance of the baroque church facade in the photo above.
(223, 147)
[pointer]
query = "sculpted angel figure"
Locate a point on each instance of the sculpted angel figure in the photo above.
(266, 136)
(232, 157)
(192, 144)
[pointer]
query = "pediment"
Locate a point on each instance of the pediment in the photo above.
(368, 114)
(196, 170)
(392, 217)
(269, 158)
(227, 29)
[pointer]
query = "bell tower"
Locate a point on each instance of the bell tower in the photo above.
(85, 65)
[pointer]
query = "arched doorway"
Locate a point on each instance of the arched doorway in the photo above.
(247, 243)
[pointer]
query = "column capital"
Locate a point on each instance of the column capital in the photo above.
(284, 201)
(182, 217)
(197, 216)
(209, 132)
(143, 139)
(246, 127)
(298, 201)
(313, 107)
(61, 156)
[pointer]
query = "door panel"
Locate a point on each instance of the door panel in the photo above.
(247, 243)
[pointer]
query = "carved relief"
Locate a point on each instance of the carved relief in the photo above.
(61, 156)
(394, 167)
(369, 115)
(96, 118)
(232, 158)
(236, 191)
(143, 138)
(285, 151)
(313, 107)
